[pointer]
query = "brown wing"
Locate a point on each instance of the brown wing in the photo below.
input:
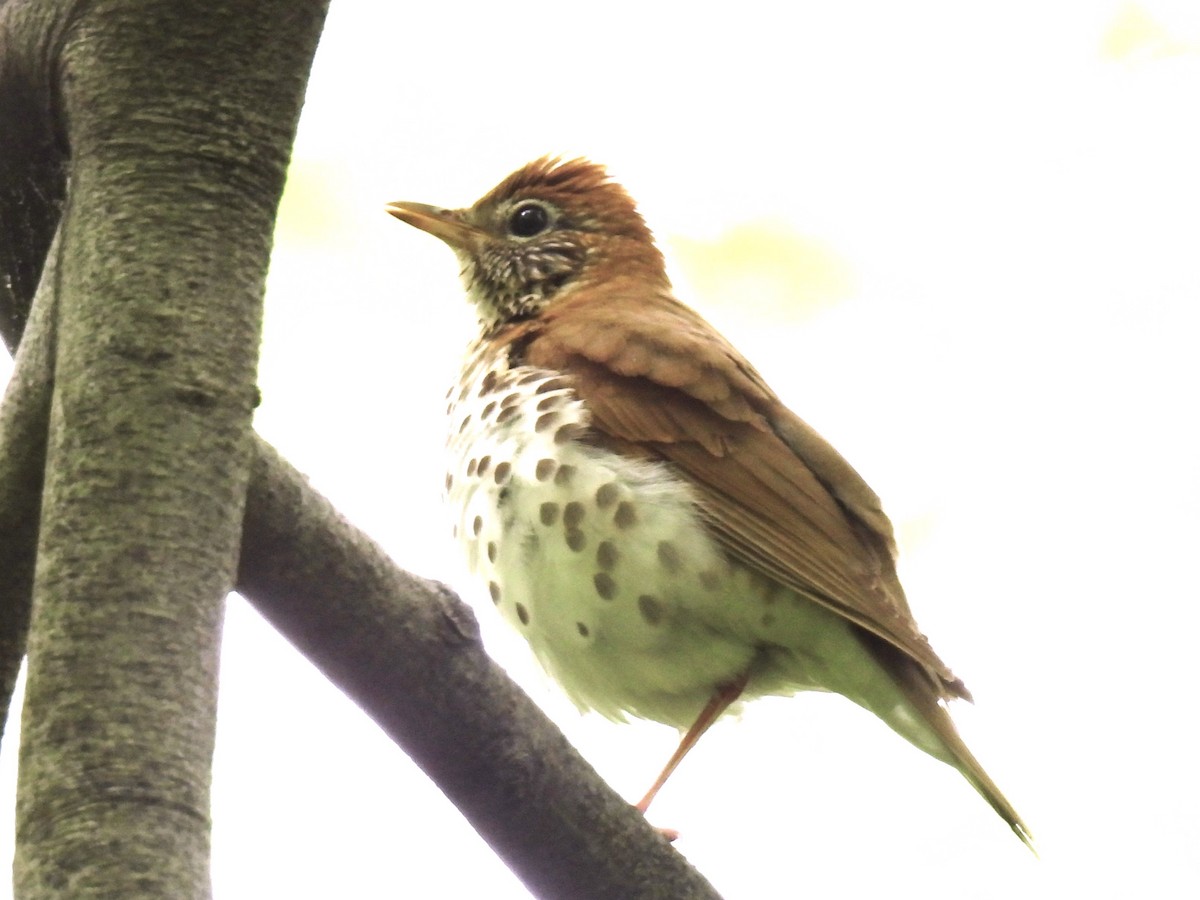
(661, 382)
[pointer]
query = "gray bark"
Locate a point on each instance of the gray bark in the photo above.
(177, 162)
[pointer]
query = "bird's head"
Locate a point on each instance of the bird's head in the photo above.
(547, 229)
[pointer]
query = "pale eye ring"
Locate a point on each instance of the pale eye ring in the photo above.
(528, 219)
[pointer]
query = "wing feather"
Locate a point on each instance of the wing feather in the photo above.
(774, 493)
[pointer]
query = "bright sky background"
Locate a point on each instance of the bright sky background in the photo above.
(961, 240)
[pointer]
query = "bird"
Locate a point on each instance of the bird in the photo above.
(642, 507)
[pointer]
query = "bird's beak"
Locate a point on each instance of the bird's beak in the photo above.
(446, 224)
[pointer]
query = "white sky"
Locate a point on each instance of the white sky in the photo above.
(1015, 194)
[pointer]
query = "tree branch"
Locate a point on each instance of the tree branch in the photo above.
(408, 651)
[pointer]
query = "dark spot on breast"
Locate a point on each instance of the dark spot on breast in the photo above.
(494, 590)
(477, 525)
(545, 469)
(605, 586)
(573, 514)
(546, 421)
(607, 555)
(606, 494)
(576, 539)
(650, 609)
(583, 630)
(668, 556)
(509, 412)
(564, 475)
(552, 384)
(488, 410)
(489, 383)
(522, 614)
(502, 471)
(491, 551)
(625, 516)
(548, 513)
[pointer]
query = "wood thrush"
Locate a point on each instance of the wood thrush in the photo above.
(641, 506)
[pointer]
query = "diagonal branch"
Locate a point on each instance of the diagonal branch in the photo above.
(408, 651)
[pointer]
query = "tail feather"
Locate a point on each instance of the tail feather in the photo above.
(962, 759)
(939, 737)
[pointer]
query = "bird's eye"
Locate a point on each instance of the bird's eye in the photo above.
(528, 219)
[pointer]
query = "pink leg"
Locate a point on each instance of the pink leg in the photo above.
(724, 695)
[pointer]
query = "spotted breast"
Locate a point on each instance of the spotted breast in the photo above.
(604, 564)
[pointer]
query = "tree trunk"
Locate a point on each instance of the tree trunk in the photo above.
(178, 162)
